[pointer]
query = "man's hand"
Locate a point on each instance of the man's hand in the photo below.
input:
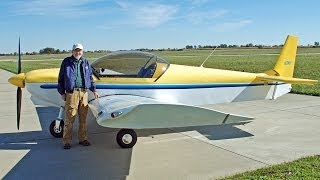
(96, 95)
(63, 97)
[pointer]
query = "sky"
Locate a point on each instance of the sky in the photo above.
(132, 24)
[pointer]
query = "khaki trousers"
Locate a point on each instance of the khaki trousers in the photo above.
(75, 102)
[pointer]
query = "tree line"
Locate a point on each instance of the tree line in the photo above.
(249, 45)
(49, 50)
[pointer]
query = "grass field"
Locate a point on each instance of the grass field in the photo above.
(304, 168)
(248, 60)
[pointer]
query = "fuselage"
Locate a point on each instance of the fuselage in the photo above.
(179, 84)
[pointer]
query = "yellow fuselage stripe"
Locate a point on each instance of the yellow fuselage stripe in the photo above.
(174, 74)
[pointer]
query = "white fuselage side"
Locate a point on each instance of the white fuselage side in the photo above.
(188, 96)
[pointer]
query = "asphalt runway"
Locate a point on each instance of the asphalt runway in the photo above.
(283, 130)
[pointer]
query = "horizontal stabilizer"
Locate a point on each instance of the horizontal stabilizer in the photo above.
(288, 80)
(143, 114)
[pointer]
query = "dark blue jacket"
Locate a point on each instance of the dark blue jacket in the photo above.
(67, 75)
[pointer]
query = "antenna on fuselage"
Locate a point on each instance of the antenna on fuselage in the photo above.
(208, 56)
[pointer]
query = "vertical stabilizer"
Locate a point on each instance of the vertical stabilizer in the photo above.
(286, 61)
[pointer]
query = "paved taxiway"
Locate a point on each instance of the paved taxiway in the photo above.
(283, 130)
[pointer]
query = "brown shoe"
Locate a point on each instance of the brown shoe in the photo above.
(85, 143)
(67, 146)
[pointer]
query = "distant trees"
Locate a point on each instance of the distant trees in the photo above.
(50, 50)
(47, 50)
(249, 45)
(223, 46)
(32, 53)
(189, 47)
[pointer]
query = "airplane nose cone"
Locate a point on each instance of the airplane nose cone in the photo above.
(18, 80)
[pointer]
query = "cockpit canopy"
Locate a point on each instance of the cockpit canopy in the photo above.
(135, 64)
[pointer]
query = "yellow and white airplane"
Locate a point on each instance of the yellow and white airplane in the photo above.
(141, 90)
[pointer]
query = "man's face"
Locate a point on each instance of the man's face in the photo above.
(77, 53)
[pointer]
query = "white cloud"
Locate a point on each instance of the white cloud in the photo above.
(148, 15)
(201, 17)
(66, 8)
(231, 26)
(154, 15)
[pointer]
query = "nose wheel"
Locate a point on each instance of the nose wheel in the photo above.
(126, 138)
(56, 128)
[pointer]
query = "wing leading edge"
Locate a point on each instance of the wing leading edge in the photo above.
(141, 113)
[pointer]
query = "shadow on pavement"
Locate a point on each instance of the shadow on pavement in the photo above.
(104, 159)
(47, 159)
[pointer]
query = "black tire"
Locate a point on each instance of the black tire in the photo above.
(126, 138)
(58, 133)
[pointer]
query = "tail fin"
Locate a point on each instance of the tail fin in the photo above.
(286, 61)
(283, 70)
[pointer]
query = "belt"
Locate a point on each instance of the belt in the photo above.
(79, 89)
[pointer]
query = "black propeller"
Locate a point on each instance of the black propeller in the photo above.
(19, 92)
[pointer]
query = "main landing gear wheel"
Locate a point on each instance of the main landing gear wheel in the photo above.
(126, 138)
(56, 131)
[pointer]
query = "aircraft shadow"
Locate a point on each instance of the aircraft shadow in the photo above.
(211, 132)
(46, 159)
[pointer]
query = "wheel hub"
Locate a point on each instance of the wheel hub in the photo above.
(57, 129)
(127, 139)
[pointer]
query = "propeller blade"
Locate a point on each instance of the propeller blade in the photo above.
(19, 59)
(19, 92)
(19, 95)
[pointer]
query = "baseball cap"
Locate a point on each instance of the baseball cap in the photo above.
(77, 46)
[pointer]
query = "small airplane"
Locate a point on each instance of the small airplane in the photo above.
(140, 90)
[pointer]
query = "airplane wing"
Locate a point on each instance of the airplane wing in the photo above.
(136, 112)
(289, 80)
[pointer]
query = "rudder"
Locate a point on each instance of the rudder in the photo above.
(286, 61)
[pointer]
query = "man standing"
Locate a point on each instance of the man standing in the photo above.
(75, 78)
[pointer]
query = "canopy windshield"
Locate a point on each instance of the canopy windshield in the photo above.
(130, 64)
